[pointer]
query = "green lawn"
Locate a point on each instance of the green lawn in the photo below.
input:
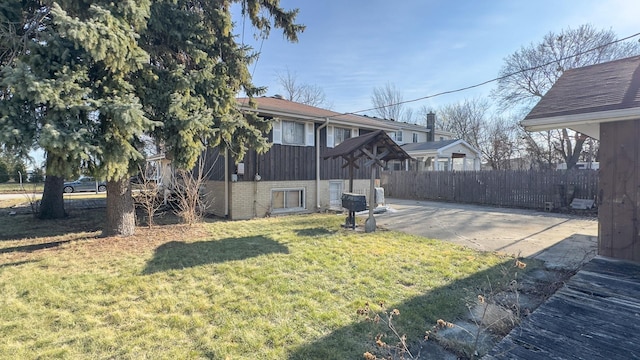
(276, 288)
(14, 187)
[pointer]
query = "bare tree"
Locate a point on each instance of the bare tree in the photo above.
(500, 143)
(421, 119)
(539, 148)
(148, 197)
(189, 190)
(466, 119)
(301, 92)
(529, 73)
(496, 137)
(388, 103)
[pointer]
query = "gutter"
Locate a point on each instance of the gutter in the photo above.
(226, 183)
(326, 122)
(562, 121)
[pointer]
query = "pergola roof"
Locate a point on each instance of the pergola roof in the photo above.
(356, 147)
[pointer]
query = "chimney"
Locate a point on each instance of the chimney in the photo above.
(431, 125)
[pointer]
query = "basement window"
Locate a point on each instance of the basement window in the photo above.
(283, 200)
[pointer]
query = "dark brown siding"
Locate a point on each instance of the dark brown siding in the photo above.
(619, 190)
(285, 163)
(214, 164)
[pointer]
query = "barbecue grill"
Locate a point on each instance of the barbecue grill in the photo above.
(353, 203)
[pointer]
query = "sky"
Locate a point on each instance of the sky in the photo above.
(422, 47)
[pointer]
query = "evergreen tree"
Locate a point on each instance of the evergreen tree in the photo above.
(84, 80)
(19, 171)
(196, 71)
(36, 176)
(4, 172)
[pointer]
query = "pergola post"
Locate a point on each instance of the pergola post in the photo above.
(378, 147)
(370, 223)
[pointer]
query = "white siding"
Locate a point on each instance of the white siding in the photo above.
(310, 138)
(330, 136)
(277, 132)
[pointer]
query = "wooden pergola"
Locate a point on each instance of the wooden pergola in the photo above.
(377, 147)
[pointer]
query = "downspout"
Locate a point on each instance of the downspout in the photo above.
(226, 182)
(326, 122)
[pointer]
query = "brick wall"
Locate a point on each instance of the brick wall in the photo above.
(214, 194)
(250, 199)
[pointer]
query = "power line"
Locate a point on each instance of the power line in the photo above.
(492, 80)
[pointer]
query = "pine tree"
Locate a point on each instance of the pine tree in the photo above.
(196, 72)
(86, 80)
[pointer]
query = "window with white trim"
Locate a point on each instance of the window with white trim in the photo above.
(398, 136)
(293, 133)
(287, 200)
(415, 137)
(394, 165)
(340, 135)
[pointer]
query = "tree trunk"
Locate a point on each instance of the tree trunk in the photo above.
(121, 219)
(572, 152)
(52, 203)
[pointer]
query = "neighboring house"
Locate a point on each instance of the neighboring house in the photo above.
(581, 165)
(437, 151)
(441, 135)
(444, 155)
(159, 170)
(603, 101)
(292, 176)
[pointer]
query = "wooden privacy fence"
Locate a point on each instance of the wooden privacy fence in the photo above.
(531, 189)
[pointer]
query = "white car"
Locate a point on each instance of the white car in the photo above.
(84, 184)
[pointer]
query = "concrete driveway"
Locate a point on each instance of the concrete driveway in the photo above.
(562, 241)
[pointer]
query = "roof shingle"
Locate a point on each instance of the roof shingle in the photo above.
(613, 85)
(430, 145)
(277, 105)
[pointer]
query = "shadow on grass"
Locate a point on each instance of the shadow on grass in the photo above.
(34, 247)
(180, 255)
(417, 315)
(26, 226)
(17, 263)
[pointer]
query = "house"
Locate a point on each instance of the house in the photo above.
(444, 155)
(603, 101)
(406, 133)
(438, 151)
(292, 176)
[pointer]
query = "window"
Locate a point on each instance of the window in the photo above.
(287, 200)
(399, 136)
(415, 137)
(394, 165)
(441, 138)
(292, 133)
(340, 135)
